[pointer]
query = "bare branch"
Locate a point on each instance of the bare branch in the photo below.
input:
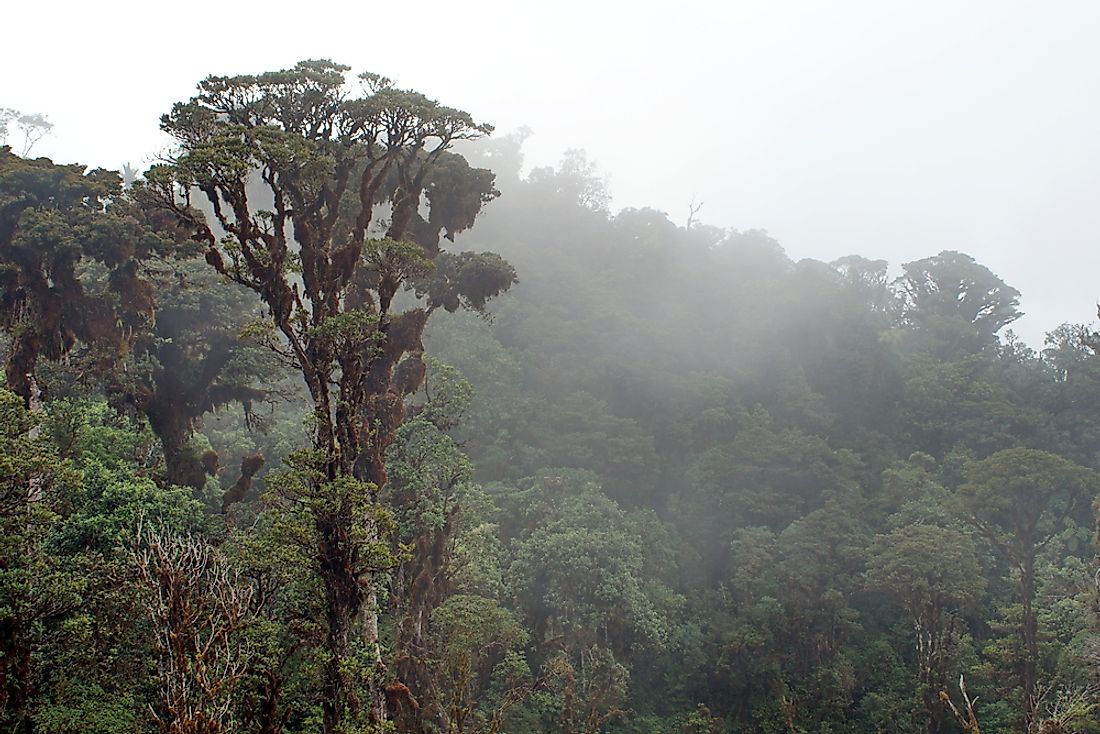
(198, 607)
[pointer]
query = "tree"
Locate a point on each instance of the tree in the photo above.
(428, 474)
(56, 221)
(576, 181)
(1019, 499)
(278, 690)
(963, 405)
(1072, 392)
(94, 277)
(193, 361)
(764, 476)
(73, 650)
(868, 280)
(475, 640)
(34, 127)
(956, 304)
(577, 570)
(35, 587)
(588, 696)
(933, 572)
(969, 720)
(822, 557)
(328, 272)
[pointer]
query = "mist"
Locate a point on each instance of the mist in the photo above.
(571, 369)
(890, 130)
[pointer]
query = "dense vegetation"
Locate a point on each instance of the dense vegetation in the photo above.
(667, 480)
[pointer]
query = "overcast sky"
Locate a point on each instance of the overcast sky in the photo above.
(888, 129)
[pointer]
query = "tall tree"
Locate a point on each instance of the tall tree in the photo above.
(933, 572)
(328, 271)
(1019, 499)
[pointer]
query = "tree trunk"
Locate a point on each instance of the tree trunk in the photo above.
(174, 429)
(377, 692)
(19, 369)
(270, 717)
(344, 600)
(1029, 665)
(15, 676)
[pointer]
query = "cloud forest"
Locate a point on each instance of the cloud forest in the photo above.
(340, 419)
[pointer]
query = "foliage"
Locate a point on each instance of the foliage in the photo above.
(675, 482)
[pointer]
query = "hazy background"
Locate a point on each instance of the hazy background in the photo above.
(888, 129)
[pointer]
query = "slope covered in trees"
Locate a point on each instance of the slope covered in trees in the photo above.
(629, 477)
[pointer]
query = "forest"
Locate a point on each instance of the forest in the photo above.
(340, 420)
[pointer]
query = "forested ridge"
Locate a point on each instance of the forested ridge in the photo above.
(339, 420)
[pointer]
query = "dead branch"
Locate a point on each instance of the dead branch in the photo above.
(198, 607)
(969, 722)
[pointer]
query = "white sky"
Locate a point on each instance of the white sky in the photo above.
(879, 127)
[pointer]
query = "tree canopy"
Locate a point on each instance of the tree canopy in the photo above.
(288, 447)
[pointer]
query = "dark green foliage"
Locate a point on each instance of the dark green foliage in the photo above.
(674, 483)
(74, 496)
(56, 224)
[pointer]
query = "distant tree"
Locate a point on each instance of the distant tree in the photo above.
(191, 362)
(34, 127)
(7, 114)
(328, 272)
(764, 476)
(502, 154)
(70, 251)
(577, 574)
(1072, 391)
(428, 476)
(576, 180)
(956, 304)
(820, 570)
(868, 278)
(475, 640)
(754, 255)
(589, 695)
(1019, 499)
(963, 404)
